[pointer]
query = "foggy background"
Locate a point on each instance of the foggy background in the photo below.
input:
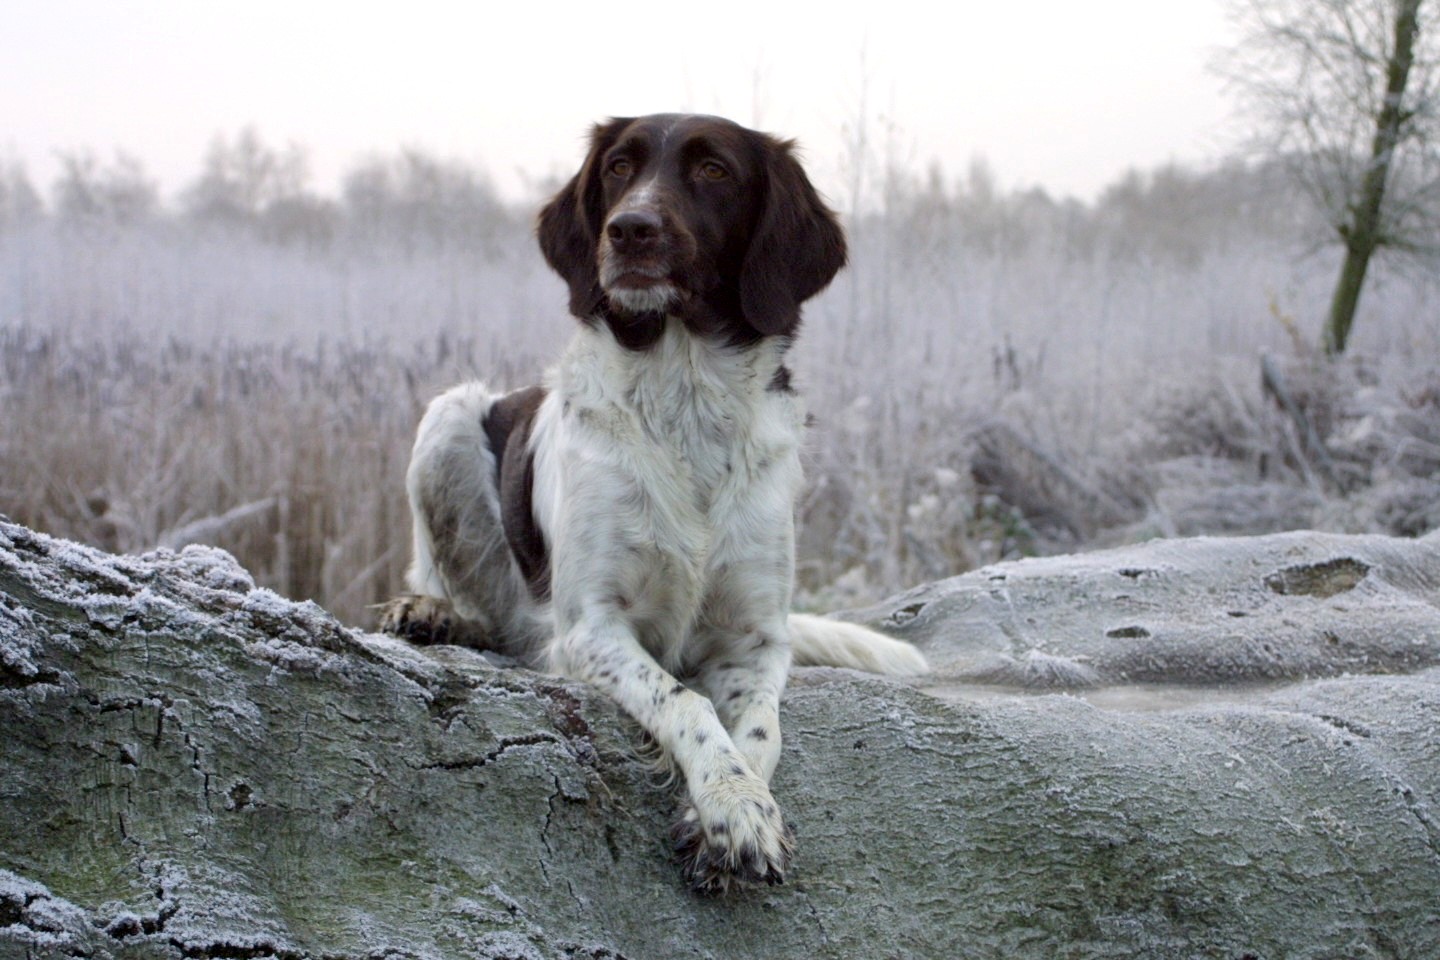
(1053, 94)
(241, 246)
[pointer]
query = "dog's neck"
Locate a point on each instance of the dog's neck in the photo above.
(677, 357)
(685, 387)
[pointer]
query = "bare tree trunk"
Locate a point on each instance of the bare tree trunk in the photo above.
(1362, 235)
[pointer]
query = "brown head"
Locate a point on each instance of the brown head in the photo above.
(695, 217)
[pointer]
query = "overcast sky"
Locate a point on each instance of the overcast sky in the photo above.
(1053, 93)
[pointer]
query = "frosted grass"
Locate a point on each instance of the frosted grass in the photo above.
(973, 401)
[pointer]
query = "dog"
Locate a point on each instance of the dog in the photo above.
(630, 523)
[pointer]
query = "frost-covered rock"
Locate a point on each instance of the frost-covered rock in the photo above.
(194, 767)
(1207, 610)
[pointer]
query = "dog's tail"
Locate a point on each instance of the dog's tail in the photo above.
(822, 642)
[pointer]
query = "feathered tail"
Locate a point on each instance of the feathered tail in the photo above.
(822, 642)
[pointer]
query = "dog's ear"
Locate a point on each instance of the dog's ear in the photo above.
(796, 249)
(569, 225)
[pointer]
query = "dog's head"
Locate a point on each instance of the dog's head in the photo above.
(695, 217)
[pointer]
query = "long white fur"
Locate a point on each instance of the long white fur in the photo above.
(664, 486)
(823, 642)
(669, 498)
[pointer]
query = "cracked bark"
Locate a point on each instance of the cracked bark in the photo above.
(195, 768)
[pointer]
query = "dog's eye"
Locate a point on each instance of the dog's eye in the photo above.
(620, 167)
(712, 170)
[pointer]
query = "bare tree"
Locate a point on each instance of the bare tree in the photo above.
(418, 200)
(88, 191)
(1347, 94)
(243, 178)
(247, 183)
(19, 202)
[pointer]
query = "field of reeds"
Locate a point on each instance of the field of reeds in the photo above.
(992, 377)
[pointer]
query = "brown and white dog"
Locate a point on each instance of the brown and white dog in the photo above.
(630, 523)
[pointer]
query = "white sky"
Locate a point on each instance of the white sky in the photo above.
(1056, 93)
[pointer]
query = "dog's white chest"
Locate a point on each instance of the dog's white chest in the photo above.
(671, 470)
(690, 419)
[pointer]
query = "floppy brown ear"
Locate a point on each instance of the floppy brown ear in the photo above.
(796, 249)
(569, 225)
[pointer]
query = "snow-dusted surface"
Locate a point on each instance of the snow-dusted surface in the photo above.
(1207, 610)
(194, 767)
(46, 923)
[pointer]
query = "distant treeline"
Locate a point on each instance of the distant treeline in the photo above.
(411, 197)
(1173, 212)
(415, 201)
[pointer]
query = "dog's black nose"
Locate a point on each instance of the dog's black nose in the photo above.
(634, 230)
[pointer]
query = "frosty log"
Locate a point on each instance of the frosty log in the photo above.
(193, 767)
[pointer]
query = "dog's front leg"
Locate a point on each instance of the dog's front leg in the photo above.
(745, 682)
(733, 827)
(745, 687)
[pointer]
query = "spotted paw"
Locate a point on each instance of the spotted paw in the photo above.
(737, 834)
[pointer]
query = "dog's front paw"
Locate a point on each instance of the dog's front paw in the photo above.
(733, 831)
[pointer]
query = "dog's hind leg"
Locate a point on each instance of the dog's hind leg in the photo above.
(465, 588)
